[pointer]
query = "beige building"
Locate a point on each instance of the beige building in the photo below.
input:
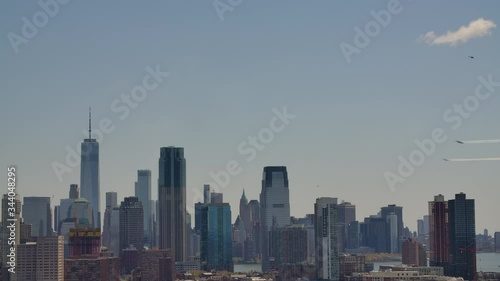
(26, 258)
(42, 260)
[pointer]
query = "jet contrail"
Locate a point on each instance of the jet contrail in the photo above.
(478, 141)
(472, 159)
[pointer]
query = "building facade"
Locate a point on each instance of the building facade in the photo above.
(326, 227)
(216, 237)
(172, 201)
(131, 223)
(274, 206)
(438, 233)
(414, 253)
(398, 211)
(497, 242)
(89, 175)
(349, 264)
(288, 245)
(143, 192)
(462, 231)
(36, 211)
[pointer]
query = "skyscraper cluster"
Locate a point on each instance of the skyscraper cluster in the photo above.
(146, 238)
(453, 235)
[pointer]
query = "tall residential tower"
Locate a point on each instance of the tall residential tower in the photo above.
(439, 239)
(327, 238)
(172, 201)
(462, 231)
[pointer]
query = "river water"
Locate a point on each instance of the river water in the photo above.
(486, 262)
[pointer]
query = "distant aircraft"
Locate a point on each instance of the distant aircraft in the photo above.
(471, 57)
(461, 142)
(446, 159)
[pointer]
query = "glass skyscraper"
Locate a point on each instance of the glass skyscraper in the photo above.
(274, 206)
(216, 237)
(172, 201)
(36, 211)
(398, 211)
(89, 175)
(462, 231)
(143, 192)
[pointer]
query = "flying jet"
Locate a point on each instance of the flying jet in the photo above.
(460, 142)
(445, 159)
(471, 57)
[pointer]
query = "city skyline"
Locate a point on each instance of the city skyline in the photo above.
(352, 121)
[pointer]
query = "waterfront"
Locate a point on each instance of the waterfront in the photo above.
(486, 262)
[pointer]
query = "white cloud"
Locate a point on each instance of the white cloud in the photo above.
(475, 29)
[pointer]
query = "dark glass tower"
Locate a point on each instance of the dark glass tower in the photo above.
(462, 228)
(89, 175)
(274, 206)
(172, 201)
(216, 237)
(347, 214)
(36, 211)
(398, 211)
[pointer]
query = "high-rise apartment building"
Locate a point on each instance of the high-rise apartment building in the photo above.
(438, 233)
(131, 223)
(462, 231)
(49, 254)
(326, 228)
(413, 253)
(288, 245)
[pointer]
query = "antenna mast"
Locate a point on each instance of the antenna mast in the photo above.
(90, 123)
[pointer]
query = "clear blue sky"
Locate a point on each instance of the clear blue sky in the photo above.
(353, 119)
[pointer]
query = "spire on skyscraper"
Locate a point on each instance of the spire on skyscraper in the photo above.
(243, 197)
(90, 122)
